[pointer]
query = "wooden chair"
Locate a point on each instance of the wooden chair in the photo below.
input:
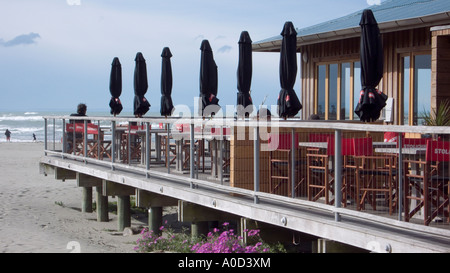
(74, 139)
(183, 148)
(414, 143)
(105, 146)
(280, 163)
(320, 174)
(170, 152)
(373, 175)
(76, 145)
(317, 137)
(130, 144)
(427, 183)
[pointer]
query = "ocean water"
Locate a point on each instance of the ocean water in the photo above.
(24, 124)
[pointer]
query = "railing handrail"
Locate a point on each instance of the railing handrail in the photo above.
(290, 123)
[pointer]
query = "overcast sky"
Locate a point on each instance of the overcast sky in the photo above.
(57, 53)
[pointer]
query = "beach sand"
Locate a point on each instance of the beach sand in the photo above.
(39, 214)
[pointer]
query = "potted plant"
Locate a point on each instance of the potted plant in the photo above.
(439, 116)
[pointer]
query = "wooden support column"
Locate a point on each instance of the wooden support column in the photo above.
(155, 216)
(64, 174)
(199, 228)
(87, 182)
(110, 188)
(200, 216)
(86, 202)
(123, 212)
(123, 193)
(102, 205)
(154, 203)
(329, 246)
(46, 169)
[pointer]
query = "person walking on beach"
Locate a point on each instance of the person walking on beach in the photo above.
(8, 135)
(34, 137)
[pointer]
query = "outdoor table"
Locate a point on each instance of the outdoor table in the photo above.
(323, 145)
(120, 130)
(409, 153)
(216, 142)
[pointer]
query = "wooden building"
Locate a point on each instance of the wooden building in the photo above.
(416, 76)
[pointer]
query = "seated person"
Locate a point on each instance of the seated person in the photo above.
(81, 112)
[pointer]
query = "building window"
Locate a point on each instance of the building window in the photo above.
(337, 92)
(321, 91)
(415, 88)
(345, 105)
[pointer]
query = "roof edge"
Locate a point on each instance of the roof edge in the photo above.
(273, 44)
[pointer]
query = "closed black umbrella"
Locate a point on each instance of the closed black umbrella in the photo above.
(208, 81)
(288, 103)
(166, 83)
(115, 87)
(244, 73)
(371, 100)
(141, 105)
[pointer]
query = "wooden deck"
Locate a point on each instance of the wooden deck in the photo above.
(363, 230)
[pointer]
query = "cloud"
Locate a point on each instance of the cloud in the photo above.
(224, 49)
(373, 2)
(199, 37)
(24, 39)
(220, 37)
(73, 2)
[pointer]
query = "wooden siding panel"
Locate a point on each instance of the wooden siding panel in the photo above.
(395, 43)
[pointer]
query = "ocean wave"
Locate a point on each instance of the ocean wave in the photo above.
(20, 118)
(27, 130)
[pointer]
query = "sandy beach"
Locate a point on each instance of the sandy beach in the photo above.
(39, 214)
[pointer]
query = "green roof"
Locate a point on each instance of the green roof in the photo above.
(390, 14)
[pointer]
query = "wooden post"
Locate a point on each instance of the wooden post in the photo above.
(199, 228)
(123, 212)
(155, 215)
(102, 205)
(86, 203)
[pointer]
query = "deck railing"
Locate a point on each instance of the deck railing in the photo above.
(283, 160)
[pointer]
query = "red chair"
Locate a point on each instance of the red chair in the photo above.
(130, 143)
(427, 183)
(280, 163)
(414, 143)
(317, 137)
(77, 146)
(373, 174)
(320, 175)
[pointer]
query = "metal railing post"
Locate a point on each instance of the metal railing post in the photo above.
(113, 143)
(256, 149)
(337, 173)
(292, 174)
(191, 147)
(45, 136)
(54, 134)
(147, 148)
(221, 154)
(85, 141)
(74, 139)
(98, 140)
(129, 144)
(64, 140)
(400, 177)
(168, 149)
